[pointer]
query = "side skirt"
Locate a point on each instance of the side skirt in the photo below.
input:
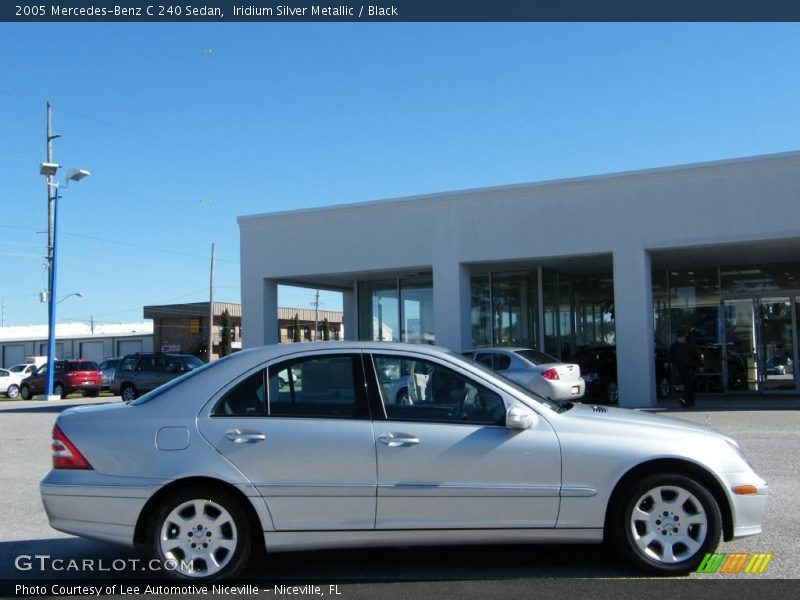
(287, 541)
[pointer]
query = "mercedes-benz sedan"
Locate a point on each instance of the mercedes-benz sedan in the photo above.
(211, 465)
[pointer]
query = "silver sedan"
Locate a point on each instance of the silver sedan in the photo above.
(535, 370)
(204, 469)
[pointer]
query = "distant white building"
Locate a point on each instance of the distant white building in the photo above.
(75, 340)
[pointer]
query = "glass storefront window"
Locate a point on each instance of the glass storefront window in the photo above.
(755, 279)
(379, 309)
(480, 312)
(416, 298)
(514, 301)
(550, 297)
(694, 306)
(395, 310)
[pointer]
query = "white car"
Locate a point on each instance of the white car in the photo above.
(11, 378)
(535, 370)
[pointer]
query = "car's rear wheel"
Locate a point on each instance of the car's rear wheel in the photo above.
(93, 394)
(128, 393)
(199, 534)
(25, 392)
(58, 390)
(612, 392)
(666, 524)
(12, 391)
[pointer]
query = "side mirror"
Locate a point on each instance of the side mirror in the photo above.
(518, 417)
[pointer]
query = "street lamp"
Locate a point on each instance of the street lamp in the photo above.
(49, 170)
(78, 294)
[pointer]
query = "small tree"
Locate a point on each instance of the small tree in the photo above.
(225, 335)
(296, 334)
(326, 330)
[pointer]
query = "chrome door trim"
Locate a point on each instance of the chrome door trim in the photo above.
(469, 490)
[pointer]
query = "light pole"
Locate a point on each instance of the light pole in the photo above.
(78, 294)
(49, 170)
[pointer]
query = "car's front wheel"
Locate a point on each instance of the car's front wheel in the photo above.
(199, 533)
(666, 524)
(58, 390)
(12, 391)
(25, 392)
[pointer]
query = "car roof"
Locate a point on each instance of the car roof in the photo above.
(504, 349)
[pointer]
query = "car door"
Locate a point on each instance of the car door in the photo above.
(449, 462)
(307, 446)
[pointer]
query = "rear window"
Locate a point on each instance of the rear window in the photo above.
(536, 357)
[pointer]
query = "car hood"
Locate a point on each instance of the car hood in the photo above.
(635, 418)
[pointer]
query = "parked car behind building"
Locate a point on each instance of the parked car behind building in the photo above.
(137, 374)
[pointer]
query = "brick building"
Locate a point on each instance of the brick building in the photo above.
(184, 327)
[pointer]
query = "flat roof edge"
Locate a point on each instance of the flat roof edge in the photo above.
(755, 159)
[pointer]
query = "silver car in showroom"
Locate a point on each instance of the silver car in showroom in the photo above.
(535, 370)
(210, 466)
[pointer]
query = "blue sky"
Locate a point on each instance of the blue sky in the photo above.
(186, 126)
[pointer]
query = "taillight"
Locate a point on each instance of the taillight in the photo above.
(550, 374)
(65, 454)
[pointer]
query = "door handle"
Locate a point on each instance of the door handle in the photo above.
(393, 440)
(239, 436)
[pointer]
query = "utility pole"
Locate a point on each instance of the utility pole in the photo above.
(211, 308)
(50, 198)
(315, 304)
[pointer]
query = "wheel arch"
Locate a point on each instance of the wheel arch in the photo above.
(679, 467)
(149, 509)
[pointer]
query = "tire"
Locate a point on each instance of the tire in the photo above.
(58, 390)
(663, 387)
(199, 513)
(13, 391)
(128, 393)
(666, 524)
(612, 393)
(92, 394)
(25, 392)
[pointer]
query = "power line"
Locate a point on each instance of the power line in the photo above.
(119, 243)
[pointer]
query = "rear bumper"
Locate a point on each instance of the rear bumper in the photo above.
(561, 389)
(95, 506)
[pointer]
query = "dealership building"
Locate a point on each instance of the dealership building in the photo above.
(624, 259)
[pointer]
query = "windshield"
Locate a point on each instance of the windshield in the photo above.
(536, 357)
(555, 406)
(173, 382)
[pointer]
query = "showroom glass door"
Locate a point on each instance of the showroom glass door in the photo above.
(776, 344)
(741, 360)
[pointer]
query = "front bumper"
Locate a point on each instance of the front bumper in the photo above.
(747, 510)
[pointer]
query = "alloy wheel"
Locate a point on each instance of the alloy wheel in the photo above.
(668, 524)
(200, 536)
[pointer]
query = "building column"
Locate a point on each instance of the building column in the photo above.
(350, 313)
(259, 312)
(633, 317)
(451, 305)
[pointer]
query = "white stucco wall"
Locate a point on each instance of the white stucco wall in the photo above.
(626, 215)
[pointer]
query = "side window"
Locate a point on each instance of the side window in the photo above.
(171, 365)
(421, 390)
(485, 359)
(129, 364)
(501, 362)
(146, 364)
(246, 399)
(322, 386)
